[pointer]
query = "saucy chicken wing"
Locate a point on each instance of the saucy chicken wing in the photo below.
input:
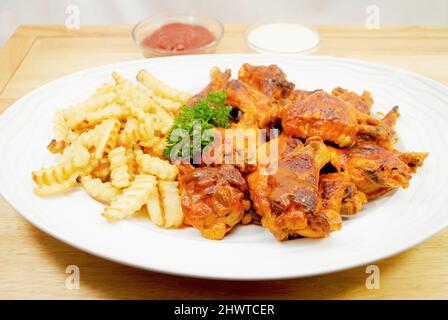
(236, 145)
(254, 104)
(296, 96)
(414, 160)
(212, 198)
(287, 197)
(362, 102)
(386, 124)
(269, 80)
(330, 118)
(373, 169)
(340, 194)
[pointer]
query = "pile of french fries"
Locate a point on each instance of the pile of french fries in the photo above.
(111, 145)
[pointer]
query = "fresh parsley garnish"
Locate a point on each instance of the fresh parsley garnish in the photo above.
(209, 112)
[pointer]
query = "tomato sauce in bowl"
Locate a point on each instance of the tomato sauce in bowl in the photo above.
(171, 35)
(179, 36)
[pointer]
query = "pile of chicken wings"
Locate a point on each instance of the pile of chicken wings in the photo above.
(333, 156)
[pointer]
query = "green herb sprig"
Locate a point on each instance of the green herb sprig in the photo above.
(210, 112)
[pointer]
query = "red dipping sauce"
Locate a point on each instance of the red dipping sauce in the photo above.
(179, 37)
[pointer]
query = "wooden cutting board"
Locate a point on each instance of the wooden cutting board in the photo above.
(33, 264)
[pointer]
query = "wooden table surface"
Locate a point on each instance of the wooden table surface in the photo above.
(33, 264)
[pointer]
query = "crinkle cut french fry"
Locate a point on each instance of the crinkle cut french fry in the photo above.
(165, 120)
(75, 114)
(104, 90)
(119, 172)
(168, 105)
(54, 175)
(107, 137)
(132, 95)
(132, 198)
(160, 88)
(131, 162)
(156, 166)
(129, 134)
(157, 149)
(55, 188)
(154, 207)
(101, 191)
(111, 111)
(61, 129)
(102, 138)
(169, 191)
(147, 130)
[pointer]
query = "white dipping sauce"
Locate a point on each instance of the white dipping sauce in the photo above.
(283, 37)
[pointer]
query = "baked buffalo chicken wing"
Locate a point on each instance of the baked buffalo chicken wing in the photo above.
(375, 170)
(340, 194)
(287, 197)
(254, 104)
(330, 118)
(212, 198)
(362, 102)
(269, 80)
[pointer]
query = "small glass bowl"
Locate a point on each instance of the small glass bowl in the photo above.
(147, 26)
(259, 49)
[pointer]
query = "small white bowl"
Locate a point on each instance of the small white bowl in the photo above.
(274, 36)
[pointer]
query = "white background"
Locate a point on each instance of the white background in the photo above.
(15, 12)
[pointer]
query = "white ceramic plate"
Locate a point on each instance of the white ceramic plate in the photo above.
(383, 228)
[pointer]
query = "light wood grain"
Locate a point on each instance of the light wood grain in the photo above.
(32, 264)
(12, 54)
